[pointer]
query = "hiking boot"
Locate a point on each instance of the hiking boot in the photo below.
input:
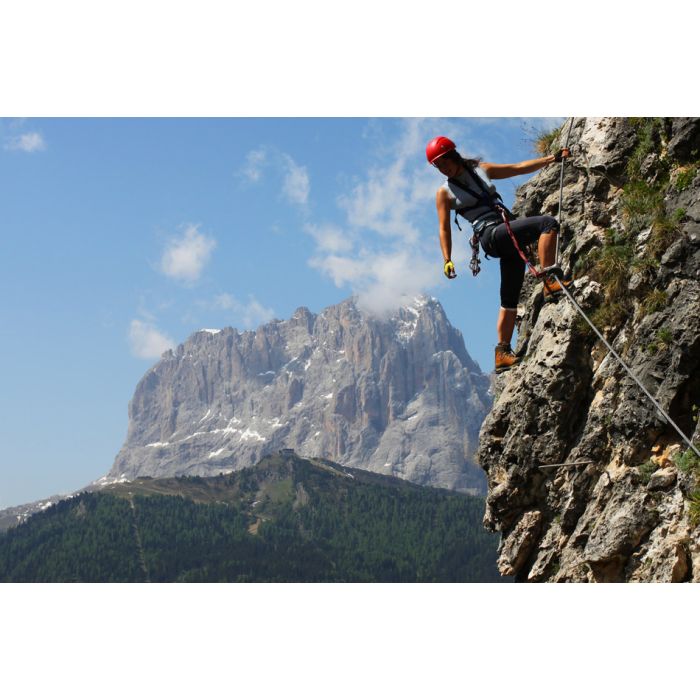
(552, 289)
(505, 357)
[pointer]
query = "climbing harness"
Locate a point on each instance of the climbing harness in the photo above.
(484, 198)
(494, 201)
(557, 273)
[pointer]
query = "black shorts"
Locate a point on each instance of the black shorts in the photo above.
(496, 243)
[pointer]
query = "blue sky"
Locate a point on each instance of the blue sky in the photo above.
(121, 237)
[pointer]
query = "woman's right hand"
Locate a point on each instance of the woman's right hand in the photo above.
(449, 270)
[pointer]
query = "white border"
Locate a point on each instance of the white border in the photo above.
(313, 58)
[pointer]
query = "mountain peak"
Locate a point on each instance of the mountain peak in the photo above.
(397, 395)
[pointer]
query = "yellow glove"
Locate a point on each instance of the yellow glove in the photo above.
(449, 270)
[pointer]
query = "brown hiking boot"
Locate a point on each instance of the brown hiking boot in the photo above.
(552, 289)
(505, 357)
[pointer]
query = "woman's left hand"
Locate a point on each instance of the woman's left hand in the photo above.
(562, 153)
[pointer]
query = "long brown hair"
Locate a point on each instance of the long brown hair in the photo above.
(469, 163)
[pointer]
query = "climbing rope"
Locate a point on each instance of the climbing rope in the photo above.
(626, 368)
(561, 192)
(555, 271)
(533, 270)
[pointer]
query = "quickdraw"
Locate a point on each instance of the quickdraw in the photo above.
(475, 262)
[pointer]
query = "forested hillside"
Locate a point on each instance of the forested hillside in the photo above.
(287, 519)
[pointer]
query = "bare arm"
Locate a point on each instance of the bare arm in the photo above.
(442, 202)
(499, 172)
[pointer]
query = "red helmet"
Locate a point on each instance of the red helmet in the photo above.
(438, 147)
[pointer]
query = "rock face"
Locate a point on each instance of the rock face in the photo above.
(398, 396)
(628, 510)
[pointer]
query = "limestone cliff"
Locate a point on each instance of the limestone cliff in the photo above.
(629, 509)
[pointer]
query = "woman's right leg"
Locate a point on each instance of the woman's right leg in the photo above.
(547, 248)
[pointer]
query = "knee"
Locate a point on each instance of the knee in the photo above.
(549, 225)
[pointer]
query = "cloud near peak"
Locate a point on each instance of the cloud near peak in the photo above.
(386, 250)
(146, 341)
(250, 313)
(382, 279)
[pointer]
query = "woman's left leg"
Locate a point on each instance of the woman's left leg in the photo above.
(542, 229)
(506, 325)
(512, 275)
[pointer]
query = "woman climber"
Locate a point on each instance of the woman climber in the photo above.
(470, 193)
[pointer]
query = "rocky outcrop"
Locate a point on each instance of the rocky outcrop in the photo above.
(625, 505)
(398, 396)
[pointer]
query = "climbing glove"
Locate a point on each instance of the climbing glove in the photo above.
(449, 270)
(561, 153)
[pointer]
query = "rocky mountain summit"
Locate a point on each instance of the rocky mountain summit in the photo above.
(398, 396)
(626, 504)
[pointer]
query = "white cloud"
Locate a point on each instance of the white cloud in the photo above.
(296, 185)
(255, 313)
(395, 191)
(382, 280)
(255, 161)
(388, 250)
(29, 143)
(249, 314)
(342, 270)
(391, 286)
(330, 238)
(147, 341)
(185, 256)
